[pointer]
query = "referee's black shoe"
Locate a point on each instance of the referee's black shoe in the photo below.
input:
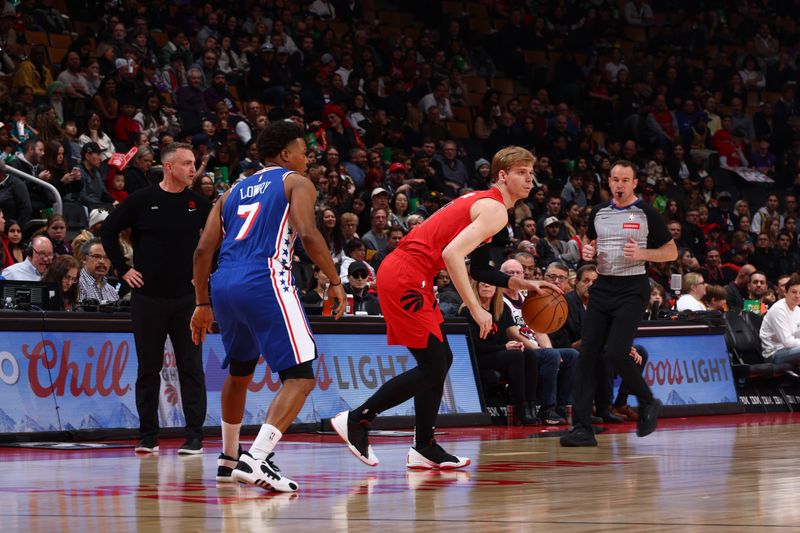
(648, 418)
(577, 437)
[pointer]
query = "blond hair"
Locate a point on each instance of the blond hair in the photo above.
(690, 281)
(496, 304)
(510, 157)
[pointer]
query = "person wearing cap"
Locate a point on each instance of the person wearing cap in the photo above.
(358, 274)
(431, 202)
(722, 213)
(378, 236)
(94, 181)
(396, 180)
(551, 247)
(15, 200)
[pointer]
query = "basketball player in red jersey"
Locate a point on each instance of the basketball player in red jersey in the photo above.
(413, 319)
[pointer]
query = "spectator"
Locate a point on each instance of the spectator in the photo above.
(12, 243)
(501, 352)
(439, 98)
(137, 174)
(638, 13)
(378, 236)
(94, 190)
(33, 268)
(191, 101)
(451, 173)
(34, 72)
(757, 286)
(693, 290)
(715, 298)
(95, 134)
(29, 162)
(63, 271)
(395, 235)
(765, 212)
(780, 328)
(56, 231)
(556, 365)
(358, 273)
(356, 251)
(92, 282)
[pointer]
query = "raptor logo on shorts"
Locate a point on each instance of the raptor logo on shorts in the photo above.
(412, 300)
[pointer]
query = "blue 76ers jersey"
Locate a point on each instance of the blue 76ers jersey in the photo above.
(255, 221)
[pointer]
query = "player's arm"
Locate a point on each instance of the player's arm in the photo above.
(302, 195)
(488, 217)
(210, 239)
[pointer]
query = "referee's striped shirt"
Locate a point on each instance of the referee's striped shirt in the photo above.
(612, 226)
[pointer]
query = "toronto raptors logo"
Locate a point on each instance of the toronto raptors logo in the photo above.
(412, 300)
(191, 204)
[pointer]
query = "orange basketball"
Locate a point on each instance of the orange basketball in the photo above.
(545, 312)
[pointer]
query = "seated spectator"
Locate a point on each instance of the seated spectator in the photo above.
(56, 231)
(438, 98)
(94, 134)
(125, 126)
(715, 298)
(377, 237)
(557, 366)
(318, 291)
(34, 267)
(191, 101)
(12, 243)
(92, 283)
(34, 72)
(693, 290)
(94, 190)
(63, 271)
(356, 251)
(451, 173)
(499, 351)
(395, 235)
(358, 274)
(29, 161)
(780, 328)
(15, 200)
(137, 173)
(757, 287)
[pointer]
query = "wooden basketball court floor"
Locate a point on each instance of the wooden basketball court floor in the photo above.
(727, 473)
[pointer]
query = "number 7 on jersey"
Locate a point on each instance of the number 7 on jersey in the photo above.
(248, 212)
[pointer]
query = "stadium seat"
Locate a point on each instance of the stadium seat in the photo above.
(37, 37)
(744, 345)
(59, 40)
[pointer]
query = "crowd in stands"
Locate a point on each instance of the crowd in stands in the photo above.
(404, 112)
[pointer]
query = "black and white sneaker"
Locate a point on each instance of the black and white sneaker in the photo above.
(264, 474)
(433, 457)
(356, 436)
(225, 466)
(147, 445)
(192, 446)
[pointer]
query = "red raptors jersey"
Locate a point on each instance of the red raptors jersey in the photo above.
(426, 242)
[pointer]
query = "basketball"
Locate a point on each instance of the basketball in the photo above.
(545, 312)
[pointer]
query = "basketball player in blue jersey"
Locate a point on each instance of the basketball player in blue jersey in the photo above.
(259, 314)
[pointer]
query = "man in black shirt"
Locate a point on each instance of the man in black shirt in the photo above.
(165, 222)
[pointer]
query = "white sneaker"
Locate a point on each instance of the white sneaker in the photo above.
(355, 436)
(433, 457)
(264, 474)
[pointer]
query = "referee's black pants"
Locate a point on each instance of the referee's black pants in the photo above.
(153, 319)
(616, 305)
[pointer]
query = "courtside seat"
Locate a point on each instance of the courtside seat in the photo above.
(744, 347)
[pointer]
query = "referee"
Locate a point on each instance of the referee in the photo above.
(625, 233)
(165, 222)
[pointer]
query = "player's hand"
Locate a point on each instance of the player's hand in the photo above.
(588, 250)
(336, 294)
(637, 357)
(483, 318)
(133, 278)
(632, 250)
(536, 286)
(202, 319)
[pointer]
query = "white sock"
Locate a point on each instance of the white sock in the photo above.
(268, 437)
(230, 439)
